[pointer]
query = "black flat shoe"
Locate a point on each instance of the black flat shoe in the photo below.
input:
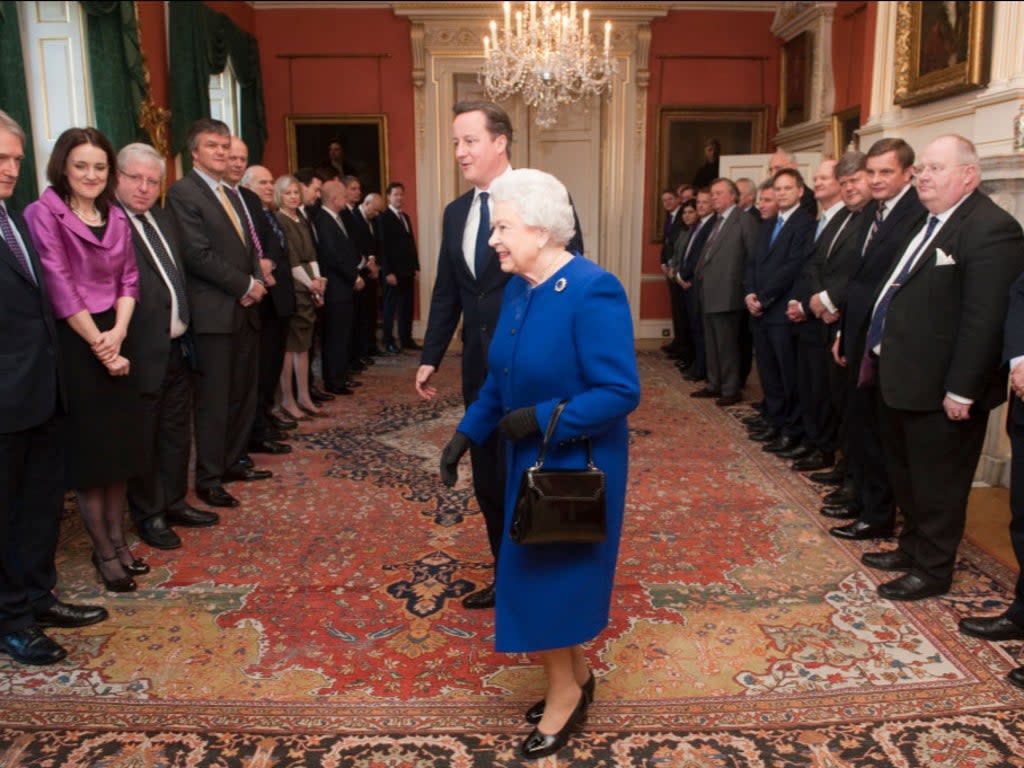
(910, 586)
(217, 497)
(155, 532)
(860, 530)
(536, 712)
(482, 599)
(992, 628)
(890, 560)
(538, 744)
(137, 567)
(31, 646)
(122, 584)
(67, 615)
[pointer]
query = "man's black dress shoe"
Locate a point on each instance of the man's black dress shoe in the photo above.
(66, 615)
(725, 400)
(781, 443)
(245, 461)
(482, 599)
(538, 744)
(190, 517)
(319, 396)
(705, 392)
(991, 628)
(155, 532)
(245, 475)
(280, 422)
(410, 344)
(1016, 677)
(216, 496)
(859, 530)
(835, 476)
(799, 451)
(339, 390)
(31, 646)
(764, 435)
(910, 586)
(693, 378)
(890, 560)
(841, 512)
(756, 421)
(269, 446)
(391, 349)
(758, 406)
(814, 460)
(841, 496)
(536, 712)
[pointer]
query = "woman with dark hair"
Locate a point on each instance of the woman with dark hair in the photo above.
(85, 247)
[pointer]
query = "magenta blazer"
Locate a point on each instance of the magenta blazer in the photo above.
(80, 271)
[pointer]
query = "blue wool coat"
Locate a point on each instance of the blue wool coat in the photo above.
(570, 337)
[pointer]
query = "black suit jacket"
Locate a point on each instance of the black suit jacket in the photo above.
(944, 328)
(338, 259)
(218, 265)
(811, 280)
(884, 249)
(398, 255)
(775, 267)
(668, 243)
(29, 386)
(150, 334)
(1013, 342)
(282, 292)
(699, 235)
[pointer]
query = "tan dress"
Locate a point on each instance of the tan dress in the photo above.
(301, 253)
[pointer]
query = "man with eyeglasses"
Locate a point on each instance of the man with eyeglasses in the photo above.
(163, 359)
(933, 351)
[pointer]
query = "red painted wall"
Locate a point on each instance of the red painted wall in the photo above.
(852, 54)
(698, 59)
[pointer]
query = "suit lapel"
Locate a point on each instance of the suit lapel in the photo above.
(719, 238)
(947, 234)
(11, 259)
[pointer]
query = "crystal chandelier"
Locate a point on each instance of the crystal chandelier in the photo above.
(548, 57)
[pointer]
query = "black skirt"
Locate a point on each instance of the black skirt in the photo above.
(103, 438)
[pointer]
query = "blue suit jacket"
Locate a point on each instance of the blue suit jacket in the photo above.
(773, 271)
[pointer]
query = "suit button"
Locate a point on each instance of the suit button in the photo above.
(506, 371)
(513, 331)
(483, 329)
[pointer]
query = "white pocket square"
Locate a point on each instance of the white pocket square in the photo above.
(942, 259)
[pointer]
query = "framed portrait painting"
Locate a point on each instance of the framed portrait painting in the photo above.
(844, 131)
(683, 135)
(942, 48)
(350, 144)
(795, 81)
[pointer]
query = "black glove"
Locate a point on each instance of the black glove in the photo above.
(522, 422)
(450, 456)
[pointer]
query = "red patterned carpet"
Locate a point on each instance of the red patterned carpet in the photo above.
(320, 624)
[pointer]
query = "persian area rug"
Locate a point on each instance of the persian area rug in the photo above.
(320, 623)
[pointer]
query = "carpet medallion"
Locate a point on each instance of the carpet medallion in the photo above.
(320, 623)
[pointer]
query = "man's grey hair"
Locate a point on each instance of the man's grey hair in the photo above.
(143, 153)
(9, 124)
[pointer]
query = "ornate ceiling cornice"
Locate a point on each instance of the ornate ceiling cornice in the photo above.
(486, 10)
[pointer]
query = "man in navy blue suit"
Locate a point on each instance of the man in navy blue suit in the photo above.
(31, 445)
(470, 284)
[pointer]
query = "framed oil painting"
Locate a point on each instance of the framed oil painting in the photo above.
(942, 48)
(683, 133)
(844, 130)
(795, 81)
(363, 142)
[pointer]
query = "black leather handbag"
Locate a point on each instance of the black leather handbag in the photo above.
(560, 505)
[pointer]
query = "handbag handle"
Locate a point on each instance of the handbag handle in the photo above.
(550, 431)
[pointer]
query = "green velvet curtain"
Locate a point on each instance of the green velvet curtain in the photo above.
(14, 99)
(115, 64)
(201, 42)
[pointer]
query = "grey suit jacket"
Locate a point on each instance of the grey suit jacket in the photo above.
(720, 278)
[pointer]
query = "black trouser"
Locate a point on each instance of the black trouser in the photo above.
(1016, 610)
(336, 341)
(272, 342)
(776, 365)
(691, 301)
(682, 332)
(865, 459)
(818, 416)
(931, 462)
(31, 498)
(368, 317)
(488, 462)
(398, 301)
(165, 424)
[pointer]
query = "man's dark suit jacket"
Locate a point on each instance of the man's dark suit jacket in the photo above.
(668, 243)
(398, 254)
(218, 265)
(477, 299)
(1013, 344)
(862, 288)
(944, 328)
(150, 333)
(827, 269)
(282, 292)
(337, 257)
(775, 267)
(29, 387)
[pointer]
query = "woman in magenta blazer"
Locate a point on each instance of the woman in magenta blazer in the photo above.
(85, 247)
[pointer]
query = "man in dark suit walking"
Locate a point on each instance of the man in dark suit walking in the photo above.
(31, 444)
(399, 265)
(225, 284)
(162, 354)
(933, 351)
(1009, 625)
(783, 245)
(895, 211)
(469, 285)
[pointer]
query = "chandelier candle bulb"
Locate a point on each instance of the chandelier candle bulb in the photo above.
(487, 48)
(586, 29)
(607, 37)
(508, 18)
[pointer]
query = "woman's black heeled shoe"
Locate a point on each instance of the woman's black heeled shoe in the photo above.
(539, 744)
(536, 712)
(138, 566)
(123, 584)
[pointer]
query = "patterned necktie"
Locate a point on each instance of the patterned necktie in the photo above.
(483, 234)
(869, 365)
(879, 216)
(272, 220)
(779, 223)
(12, 242)
(248, 223)
(168, 265)
(711, 237)
(229, 209)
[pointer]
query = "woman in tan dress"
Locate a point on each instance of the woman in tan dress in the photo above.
(309, 294)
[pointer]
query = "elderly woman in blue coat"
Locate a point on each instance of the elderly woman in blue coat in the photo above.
(564, 333)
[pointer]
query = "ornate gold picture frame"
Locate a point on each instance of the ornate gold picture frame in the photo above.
(942, 48)
(364, 139)
(795, 80)
(844, 130)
